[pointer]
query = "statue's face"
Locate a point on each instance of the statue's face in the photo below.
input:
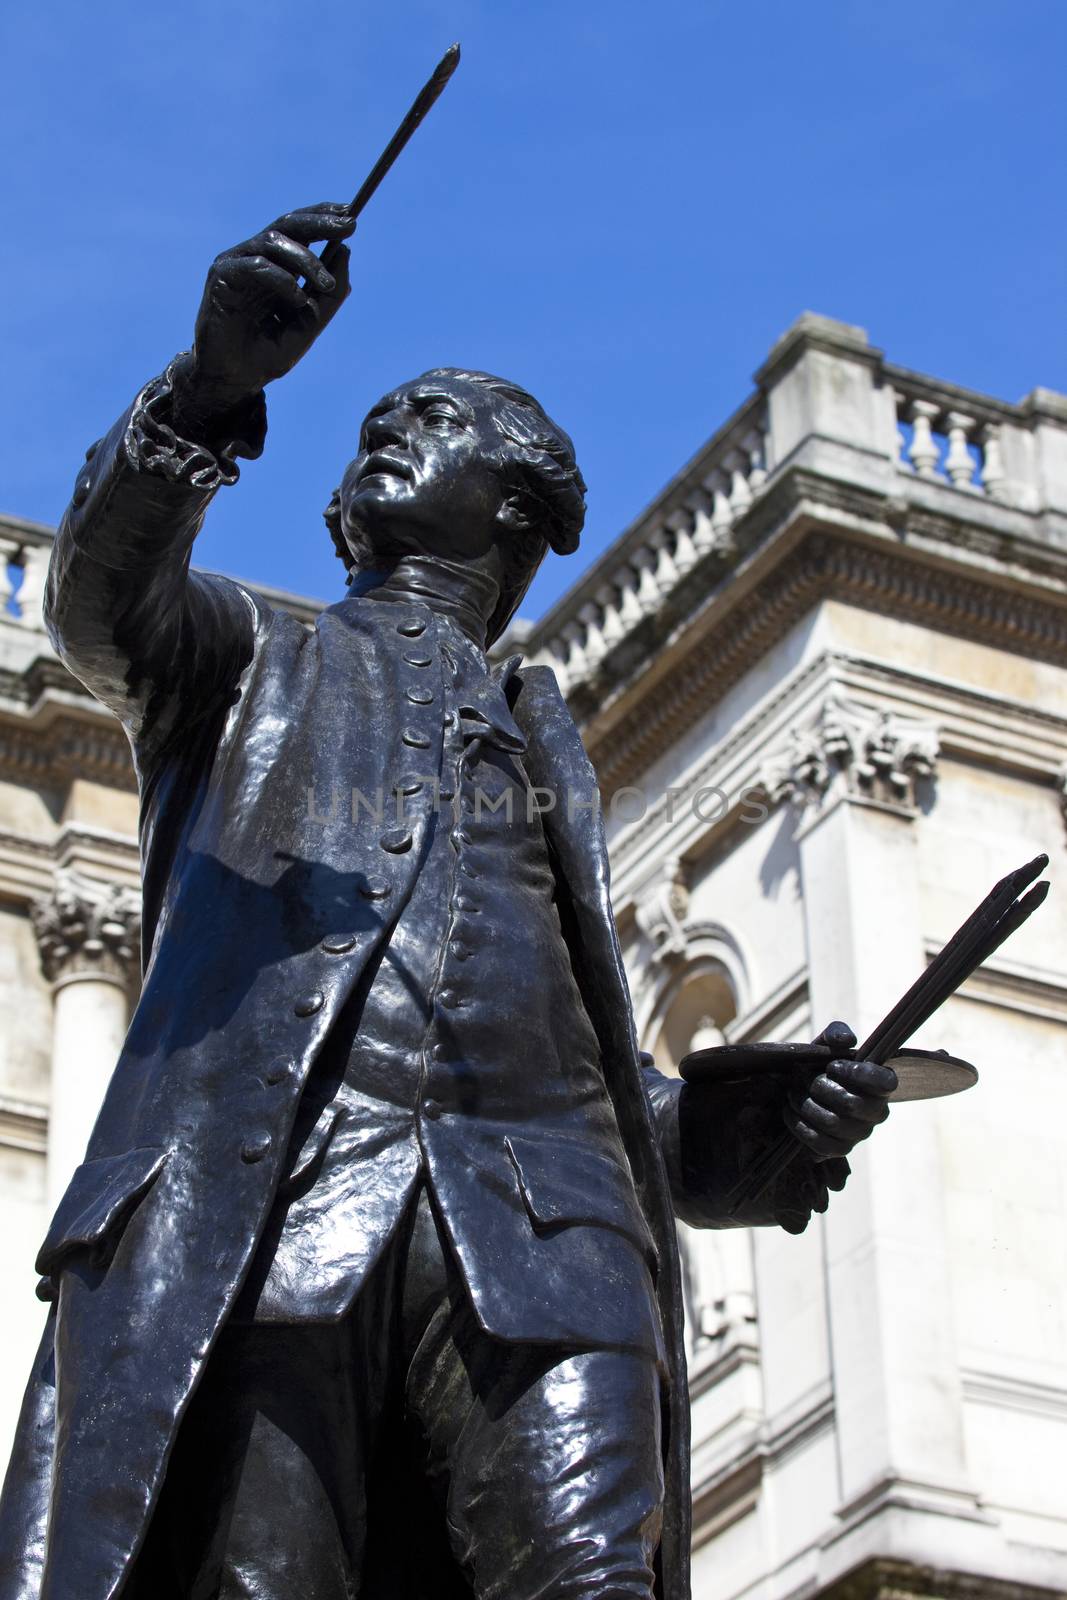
(422, 482)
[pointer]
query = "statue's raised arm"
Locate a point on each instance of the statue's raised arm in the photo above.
(145, 636)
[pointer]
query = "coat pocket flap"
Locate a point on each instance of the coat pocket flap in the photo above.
(563, 1184)
(98, 1202)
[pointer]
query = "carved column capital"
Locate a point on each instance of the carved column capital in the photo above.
(86, 928)
(853, 751)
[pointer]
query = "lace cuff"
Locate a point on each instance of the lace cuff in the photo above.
(153, 446)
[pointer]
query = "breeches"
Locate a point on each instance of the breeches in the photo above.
(403, 1454)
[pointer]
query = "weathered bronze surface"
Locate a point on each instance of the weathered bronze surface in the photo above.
(369, 1281)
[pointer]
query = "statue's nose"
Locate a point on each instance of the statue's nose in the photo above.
(389, 428)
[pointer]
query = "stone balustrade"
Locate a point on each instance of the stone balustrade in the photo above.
(828, 403)
(25, 548)
(943, 439)
(654, 557)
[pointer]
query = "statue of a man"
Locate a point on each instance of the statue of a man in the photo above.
(368, 1284)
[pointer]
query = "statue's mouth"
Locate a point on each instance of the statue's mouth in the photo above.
(380, 462)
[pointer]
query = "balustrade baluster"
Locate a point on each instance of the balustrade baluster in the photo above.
(958, 461)
(722, 518)
(9, 549)
(703, 532)
(643, 561)
(612, 628)
(577, 665)
(593, 646)
(630, 612)
(993, 477)
(900, 438)
(685, 554)
(666, 572)
(740, 493)
(31, 590)
(754, 445)
(924, 452)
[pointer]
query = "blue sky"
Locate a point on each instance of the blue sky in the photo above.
(620, 205)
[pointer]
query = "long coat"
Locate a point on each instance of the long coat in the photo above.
(235, 712)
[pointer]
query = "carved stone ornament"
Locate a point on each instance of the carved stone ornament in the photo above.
(662, 905)
(85, 927)
(871, 755)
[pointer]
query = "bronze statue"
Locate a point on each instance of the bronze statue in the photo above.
(369, 1281)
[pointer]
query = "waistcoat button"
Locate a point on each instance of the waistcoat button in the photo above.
(396, 841)
(278, 1071)
(417, 740)
(415, 658)
(255, 1147)
(407, 785)
(420, 697)
(375, 889)
(308, 1004)
(449, 999)
(81, 492)
(431, 1110)
(338, 944)
(411, 627)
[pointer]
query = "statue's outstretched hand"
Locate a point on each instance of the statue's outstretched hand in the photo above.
(257, 318)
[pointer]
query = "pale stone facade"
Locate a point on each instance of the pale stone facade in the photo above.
(824, 682)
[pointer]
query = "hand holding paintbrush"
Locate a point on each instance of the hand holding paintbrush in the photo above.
(924, 1075)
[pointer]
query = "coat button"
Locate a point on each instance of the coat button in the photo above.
(465, 903)
(338, 944)
(440, 1052)
(415, 658)
(431, 1110)
(417, 740)
(420, 697)
(411, 627)
(459, 950)
(449, 999)
(396, 841)
(278, 1071)
(308, 1004)
(93, 448)
(81, 492)
(255, 1147)
(375, 889)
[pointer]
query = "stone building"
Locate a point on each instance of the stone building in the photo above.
(824, 682)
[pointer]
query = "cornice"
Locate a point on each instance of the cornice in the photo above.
(823, 566)
(884, 1579)
(50, 753)
(23, 1125)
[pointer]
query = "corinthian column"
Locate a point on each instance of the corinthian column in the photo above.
(88, 935)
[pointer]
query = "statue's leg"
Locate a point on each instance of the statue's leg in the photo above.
(548, 1462)
(265, 1494)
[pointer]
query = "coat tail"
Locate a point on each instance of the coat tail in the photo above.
(28, 1485)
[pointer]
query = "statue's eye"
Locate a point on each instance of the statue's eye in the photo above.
(437, 416)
